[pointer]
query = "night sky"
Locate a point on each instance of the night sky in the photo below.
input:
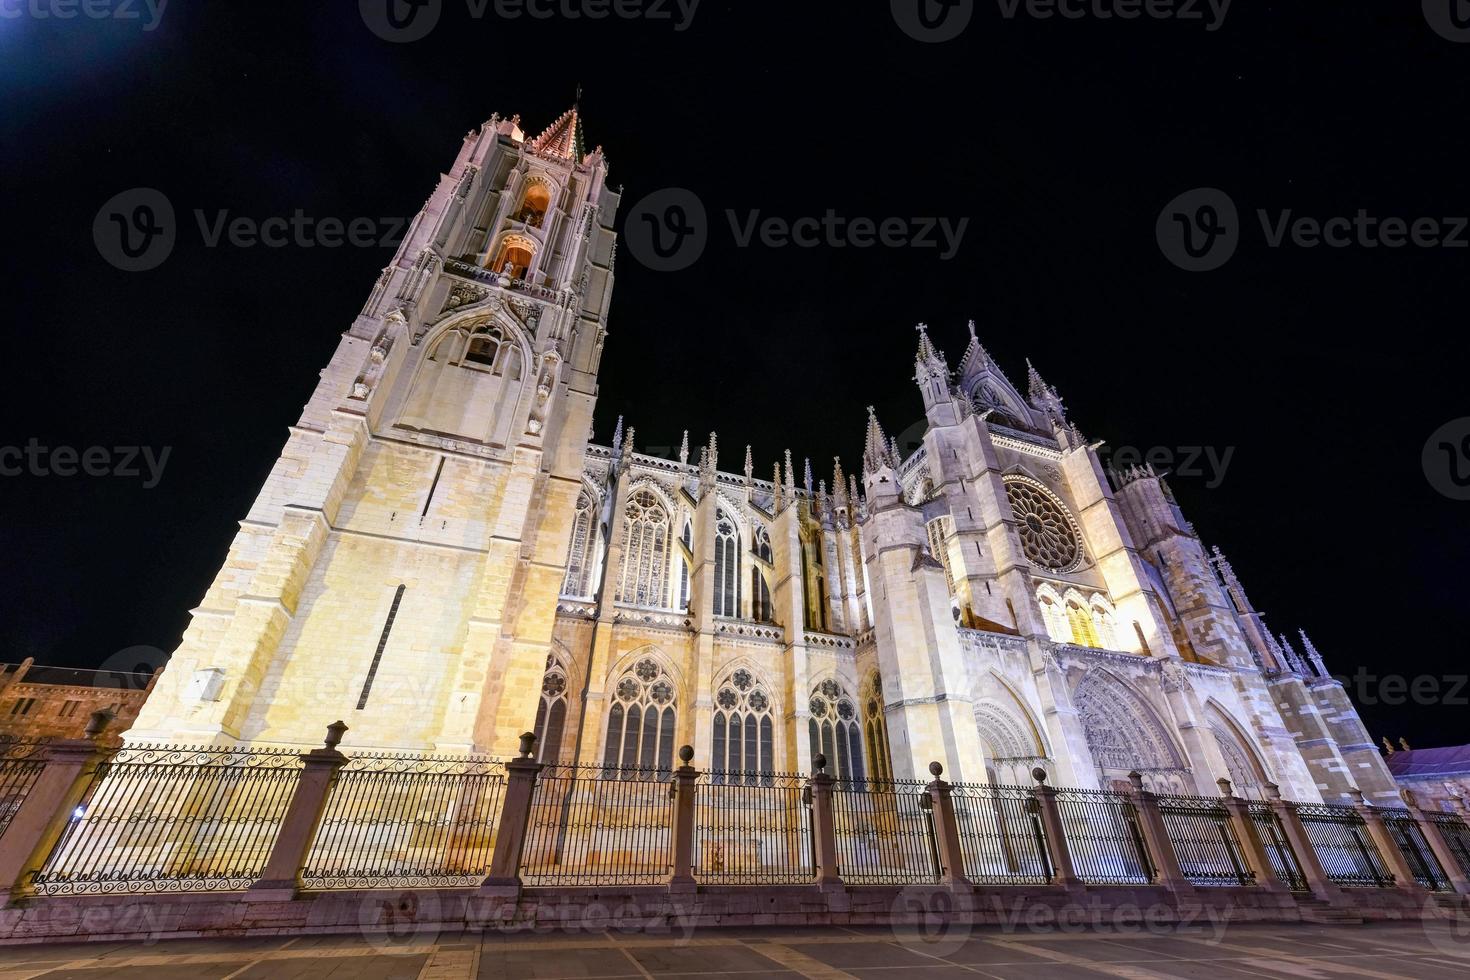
(1323, 371)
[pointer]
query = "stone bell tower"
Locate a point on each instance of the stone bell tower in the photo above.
(400, 568)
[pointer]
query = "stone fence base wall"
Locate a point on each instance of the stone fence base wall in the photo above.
(399, 917)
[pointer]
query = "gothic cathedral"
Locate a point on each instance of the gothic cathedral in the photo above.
(442, 559)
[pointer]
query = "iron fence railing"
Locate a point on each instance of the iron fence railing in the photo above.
(599, 825)
(407, 820)
(21, 764)
(1277, 846)
(1347, 852)
(1456, 836)
(885, 832)
(1419, 856)
(1104, 838)
(173, 818)
(1204, 840)
(1001, 834)
(751, 829)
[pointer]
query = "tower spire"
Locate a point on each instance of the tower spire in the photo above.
(684, 449)
(563, 138)
(877, 452)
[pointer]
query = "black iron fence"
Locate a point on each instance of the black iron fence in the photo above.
(407, 820)
(1456, 836)
(1001, 834)
(599, 825)
(21, 763)
(1409, 837)
(885, 832)
(1104, 838)
(1343, 845)
(1277, 846)
(752, 829)
(1204, 841)
(173, 819)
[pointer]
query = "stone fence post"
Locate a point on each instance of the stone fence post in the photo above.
(1252, 848)
(683, 789)
(1441, 848)
(1393, 857)
(515, 819)
(1156, 839)
(1063, 872)
(824, 826)
(946, 829)
(282, 875)
(46, 811)
(1321, 886)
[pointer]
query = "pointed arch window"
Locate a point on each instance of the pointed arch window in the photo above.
(1104, 623)
(582, 558)
(727, 566)
(1080, 621)
(939, 531)
(644, 575)
(834, 732)
(744, 733)
(641, 722)
(876, 725)
(688, 538)
(551, 712)
(761, 609)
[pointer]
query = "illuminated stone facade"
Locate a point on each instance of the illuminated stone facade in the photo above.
(441, 559)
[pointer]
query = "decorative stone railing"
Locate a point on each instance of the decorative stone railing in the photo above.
(576, 608)
(645, 616)
(1078, 651)
(748, 630)
(831, 641)
(465, 270)
(977, 641)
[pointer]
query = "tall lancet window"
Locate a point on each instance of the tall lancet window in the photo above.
(877, 728)
(761, 609)
(743, 731)
(583, 556)
(551, 713)
(640, 723)
(833, 730)
(688, 538)
(727, 566)
(644, 577)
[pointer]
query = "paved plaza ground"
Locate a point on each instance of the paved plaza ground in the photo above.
(1213, 951)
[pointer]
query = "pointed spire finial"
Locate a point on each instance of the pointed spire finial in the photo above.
(777, 501)
(972, 331)
(876, 452)
(684, 449)
(617, 443)
(628, 445)
(806, 475)
(749, 465)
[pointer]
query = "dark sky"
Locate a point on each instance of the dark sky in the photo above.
(1324, 371)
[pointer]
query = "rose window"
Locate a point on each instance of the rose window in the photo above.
(1047, 534)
